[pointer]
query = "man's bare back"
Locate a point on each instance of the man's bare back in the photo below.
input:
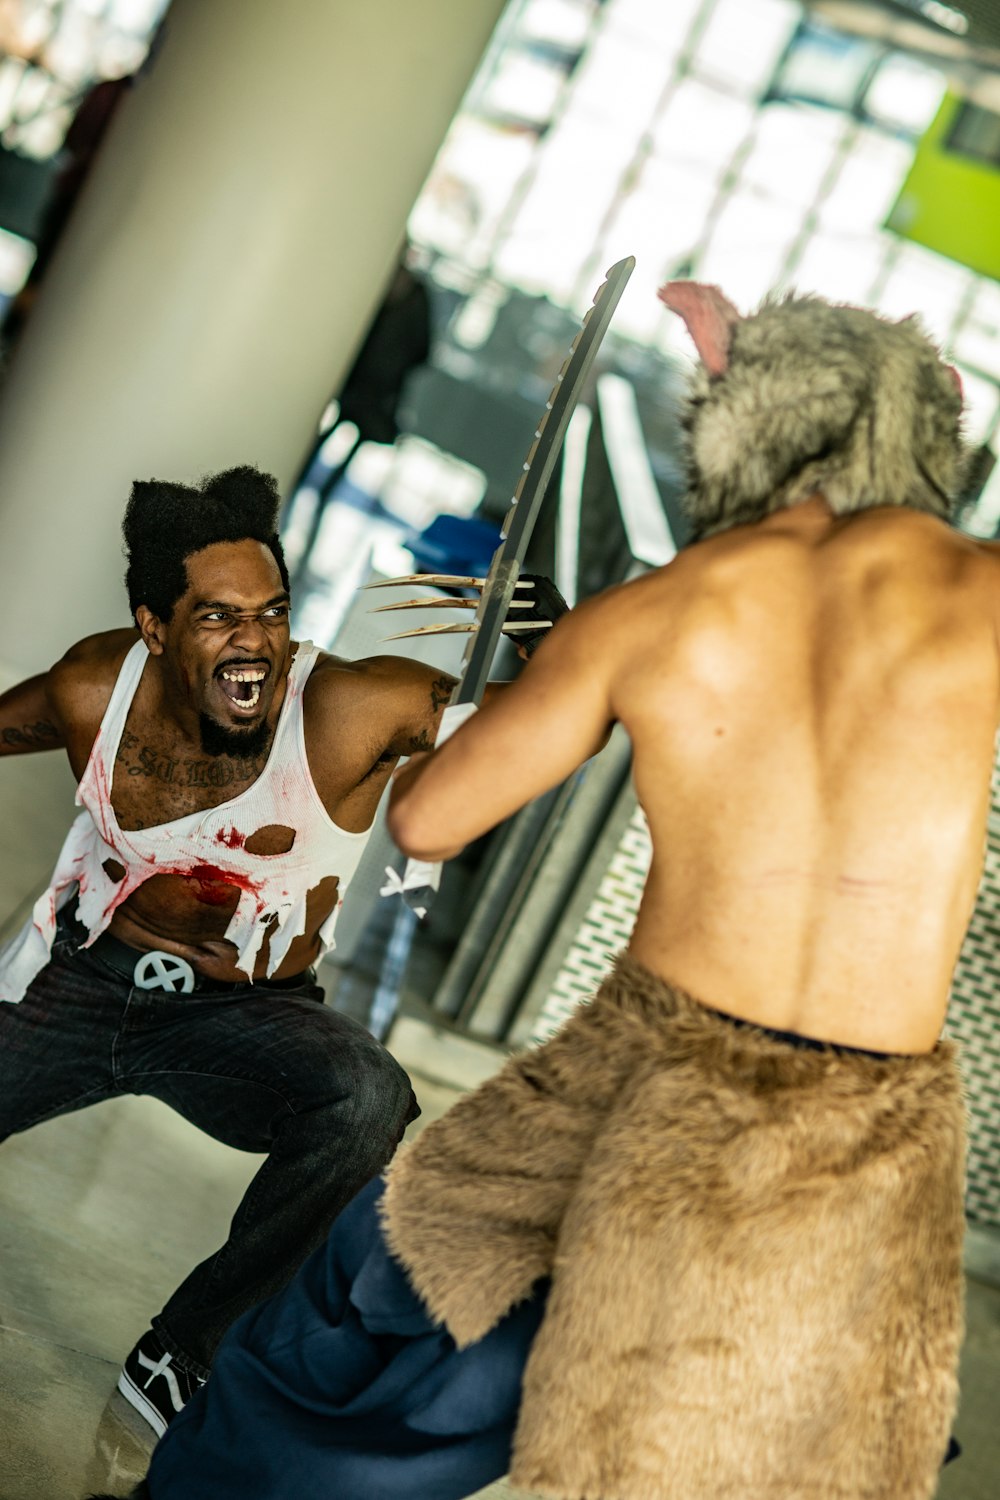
(814, 735)
(812, 703)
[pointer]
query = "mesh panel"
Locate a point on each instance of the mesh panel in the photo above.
(974, 1020)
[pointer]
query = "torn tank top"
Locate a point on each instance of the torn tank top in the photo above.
(207, 844)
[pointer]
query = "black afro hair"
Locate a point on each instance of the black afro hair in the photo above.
(165, 523)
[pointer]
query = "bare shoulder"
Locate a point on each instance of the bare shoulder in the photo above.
(615, 610)
(988, 554)
(368, 678)
(100, 653)
(81, 682)
(641, 605)
(373, 686)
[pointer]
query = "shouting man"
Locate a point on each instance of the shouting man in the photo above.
(719, 1214)
(228, 778)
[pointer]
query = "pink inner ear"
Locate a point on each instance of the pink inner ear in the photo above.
(956, 377)
(709, 317)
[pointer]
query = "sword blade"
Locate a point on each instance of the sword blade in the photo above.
(501, 580)
(420, 880)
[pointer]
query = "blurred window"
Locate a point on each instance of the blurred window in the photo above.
(975, 132)
(824, 66)
(737, 141)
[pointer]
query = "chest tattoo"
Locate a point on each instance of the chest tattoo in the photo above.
(211, 772)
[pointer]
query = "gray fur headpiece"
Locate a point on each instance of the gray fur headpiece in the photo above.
(804, 396)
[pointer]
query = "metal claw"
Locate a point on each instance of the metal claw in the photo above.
(444, 604)
(450, 580)
(432, 630)
(519, 628)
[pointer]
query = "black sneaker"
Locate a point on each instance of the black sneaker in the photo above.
(154, 1384)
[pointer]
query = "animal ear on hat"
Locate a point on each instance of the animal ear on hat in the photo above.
(709, 317)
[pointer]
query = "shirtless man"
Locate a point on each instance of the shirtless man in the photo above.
(229, 777)
(737, 1173)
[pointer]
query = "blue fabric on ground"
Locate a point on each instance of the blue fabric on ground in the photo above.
(341, 1388)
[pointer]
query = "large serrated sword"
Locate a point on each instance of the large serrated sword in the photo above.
(420, 880)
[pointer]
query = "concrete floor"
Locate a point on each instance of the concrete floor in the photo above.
(100, 1215)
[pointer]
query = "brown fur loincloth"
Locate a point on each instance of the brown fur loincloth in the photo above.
(755, 1253)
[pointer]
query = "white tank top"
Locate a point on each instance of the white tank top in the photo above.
(208, 844)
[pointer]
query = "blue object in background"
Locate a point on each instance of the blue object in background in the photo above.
(455, 544)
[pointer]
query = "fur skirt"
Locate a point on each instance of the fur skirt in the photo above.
(755, 1253)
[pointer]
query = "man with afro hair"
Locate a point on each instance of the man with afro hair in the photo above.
(228, 778)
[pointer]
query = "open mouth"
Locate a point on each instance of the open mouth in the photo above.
(242, 685)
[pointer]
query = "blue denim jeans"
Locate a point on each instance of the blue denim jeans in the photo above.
(263, 1070)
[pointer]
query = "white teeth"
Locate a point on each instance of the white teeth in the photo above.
(253, 674)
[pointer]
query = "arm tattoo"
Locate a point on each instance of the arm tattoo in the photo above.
(441, 690)
(414, 741)
(37, 736)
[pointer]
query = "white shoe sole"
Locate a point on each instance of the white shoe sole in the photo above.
(134, 1396)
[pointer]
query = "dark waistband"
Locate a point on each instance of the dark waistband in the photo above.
(794, 1039)
(122, 957)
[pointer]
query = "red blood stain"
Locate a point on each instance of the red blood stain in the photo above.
(214, 885)
(231, 837)
(101, 785)
(210, 885)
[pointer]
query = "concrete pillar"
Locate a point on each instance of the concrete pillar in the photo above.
(225, 257)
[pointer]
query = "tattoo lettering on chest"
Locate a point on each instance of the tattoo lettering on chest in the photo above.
(212, 771)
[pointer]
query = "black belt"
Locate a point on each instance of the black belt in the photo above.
(158, 970)
(794, 1039)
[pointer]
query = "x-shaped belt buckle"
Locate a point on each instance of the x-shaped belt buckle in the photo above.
(163, 971)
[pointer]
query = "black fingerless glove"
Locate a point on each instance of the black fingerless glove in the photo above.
(547, 604)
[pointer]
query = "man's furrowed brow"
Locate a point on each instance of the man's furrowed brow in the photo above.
(235, 609)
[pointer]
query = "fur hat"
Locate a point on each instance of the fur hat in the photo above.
(805, 396)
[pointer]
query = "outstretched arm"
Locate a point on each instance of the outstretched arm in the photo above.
(28, 720)
(63, 707)
(523, 742)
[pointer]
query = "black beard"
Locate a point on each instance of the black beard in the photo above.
(243, 744)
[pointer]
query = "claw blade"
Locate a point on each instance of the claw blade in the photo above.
(433, 630)
(444, 580)
(521, 627)
(382, 609)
